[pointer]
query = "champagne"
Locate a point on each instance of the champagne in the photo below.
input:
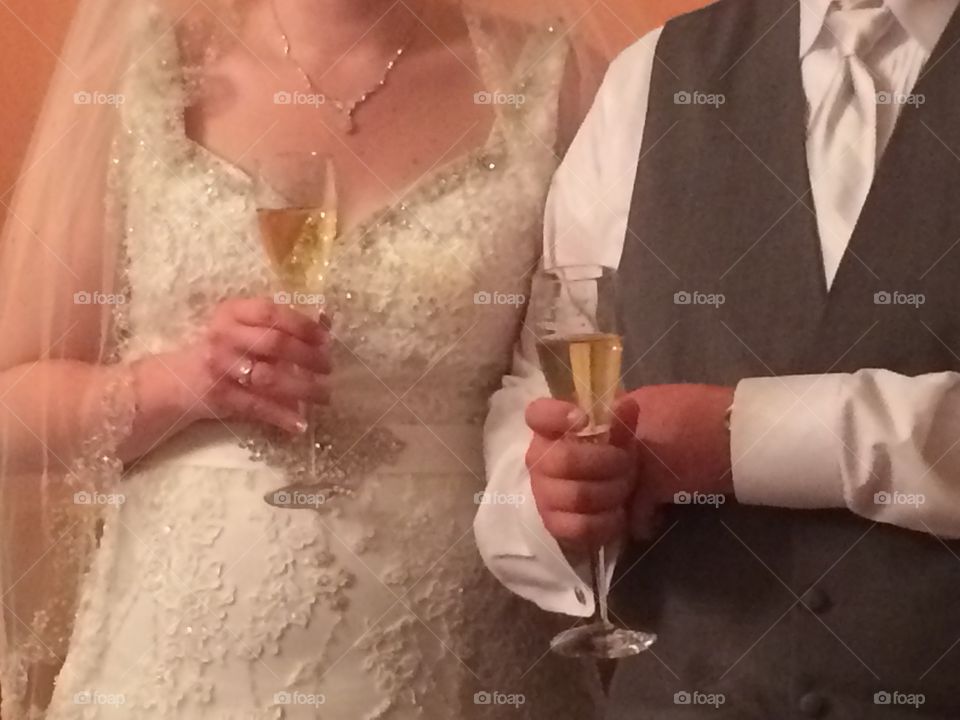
(298, 242)
(584, 369)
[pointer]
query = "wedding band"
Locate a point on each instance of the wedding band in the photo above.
(246, 373)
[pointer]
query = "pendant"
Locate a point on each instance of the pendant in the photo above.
(349, 124)
(345, 117)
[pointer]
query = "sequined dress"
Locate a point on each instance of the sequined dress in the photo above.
(372, 603)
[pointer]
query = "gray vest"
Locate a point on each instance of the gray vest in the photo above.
(788, 614)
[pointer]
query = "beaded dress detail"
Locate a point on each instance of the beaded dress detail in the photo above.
(369, 601)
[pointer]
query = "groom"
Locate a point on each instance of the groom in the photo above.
(777, 183)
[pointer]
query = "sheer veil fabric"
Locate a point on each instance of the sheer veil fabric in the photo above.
(66, 401)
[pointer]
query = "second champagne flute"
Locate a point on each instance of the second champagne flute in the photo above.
(574, 316)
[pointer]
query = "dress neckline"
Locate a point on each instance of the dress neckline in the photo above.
(403, 200)
(494, 143)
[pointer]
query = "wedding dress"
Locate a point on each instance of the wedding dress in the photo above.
(372, 604)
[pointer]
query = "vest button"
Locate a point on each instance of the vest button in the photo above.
(817, 601)
(813, 704)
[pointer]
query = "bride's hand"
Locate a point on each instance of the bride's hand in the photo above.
(257, 360)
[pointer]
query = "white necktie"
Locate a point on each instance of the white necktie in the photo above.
(842, 143)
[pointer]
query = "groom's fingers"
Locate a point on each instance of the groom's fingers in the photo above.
(623, 428)
(586, 532)
(576, 460)
(572, 496)
(552, 418)
(582, 489)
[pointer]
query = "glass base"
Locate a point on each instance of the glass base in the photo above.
(602, 641)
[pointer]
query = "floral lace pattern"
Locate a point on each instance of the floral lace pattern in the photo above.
(203, 600)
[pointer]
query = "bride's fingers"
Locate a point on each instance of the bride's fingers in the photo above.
(274, 345)
(264, 313)
(286, 383)
(243, 404)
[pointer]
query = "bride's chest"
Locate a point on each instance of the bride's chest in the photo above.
(447, 266)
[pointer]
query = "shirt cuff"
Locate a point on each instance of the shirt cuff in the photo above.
(533, 566)
(574, 591)
(785, 444)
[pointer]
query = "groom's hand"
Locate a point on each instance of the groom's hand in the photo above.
(683, 447)
(582, 488)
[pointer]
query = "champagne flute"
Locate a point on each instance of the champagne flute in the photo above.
(296, 197)
(574, 318)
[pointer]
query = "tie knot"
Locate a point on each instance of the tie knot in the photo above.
(858, 27)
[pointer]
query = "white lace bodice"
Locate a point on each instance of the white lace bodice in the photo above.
(415, 269)
(378, 602)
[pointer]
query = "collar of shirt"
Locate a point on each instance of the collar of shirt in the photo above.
(924, 20)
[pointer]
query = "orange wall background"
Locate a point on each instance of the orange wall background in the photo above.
(32, 31)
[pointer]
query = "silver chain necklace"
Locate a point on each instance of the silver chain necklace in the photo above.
(345, 108)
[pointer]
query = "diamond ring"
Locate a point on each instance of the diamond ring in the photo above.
(246, 373)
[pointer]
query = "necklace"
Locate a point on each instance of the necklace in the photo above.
(345, 108)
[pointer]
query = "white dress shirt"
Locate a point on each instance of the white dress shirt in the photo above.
(816, 441)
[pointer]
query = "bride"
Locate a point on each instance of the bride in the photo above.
(151, 390)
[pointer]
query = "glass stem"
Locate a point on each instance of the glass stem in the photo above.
(599, 569)
(312, 311)
(311, 419)
(307, 414)
(312, 430)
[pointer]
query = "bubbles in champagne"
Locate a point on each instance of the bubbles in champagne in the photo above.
(584, 369)
(298, 243)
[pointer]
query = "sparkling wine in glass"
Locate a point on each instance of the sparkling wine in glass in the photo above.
(584, 368)
(580, 349)
(298, 243)
(297, 216)
(296, 197)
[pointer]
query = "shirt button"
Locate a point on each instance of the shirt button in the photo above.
(813, 704)
(817, 601)
(580, 595)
